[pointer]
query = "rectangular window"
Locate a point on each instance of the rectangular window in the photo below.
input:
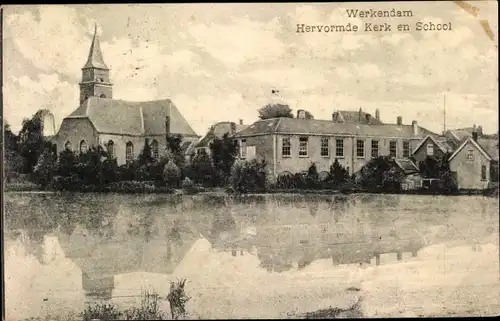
(243, 148)
(339, 147)
(360, 148)
(430, 150)
(393, 148)
(325, 151)
(483, 172)
(470, 154)
(303, 146)
(286, 148)
(374, 148)
(406, 149)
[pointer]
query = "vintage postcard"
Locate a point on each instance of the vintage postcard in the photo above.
(265, 160)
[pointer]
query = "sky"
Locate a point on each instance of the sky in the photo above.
(220, 62)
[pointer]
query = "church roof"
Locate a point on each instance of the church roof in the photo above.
(95, 59)
(133, 118)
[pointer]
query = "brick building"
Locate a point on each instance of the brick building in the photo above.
(291, 145)
(119, 126)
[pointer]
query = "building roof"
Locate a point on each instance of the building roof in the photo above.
(217, 131)
(327, 127)
(133, 118)
(95, 59)
(359, 117)
(490, 146)
(407, 166)
(440, 141)
(473, 142)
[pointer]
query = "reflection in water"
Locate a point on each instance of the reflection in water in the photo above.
(106, 236)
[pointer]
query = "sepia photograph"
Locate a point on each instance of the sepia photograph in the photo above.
(250, 160)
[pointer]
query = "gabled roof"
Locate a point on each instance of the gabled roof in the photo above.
(95, 59)
(407, 166)
(440, 142)
(359, 117)
(133, 118)
(475, 144)
(327, 127)
(490, 146)
(218, 130)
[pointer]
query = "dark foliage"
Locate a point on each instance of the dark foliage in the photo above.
(224, 152)
(274, 111)
(382, 173)
(249, 176)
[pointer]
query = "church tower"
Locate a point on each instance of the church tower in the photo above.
(95, 74)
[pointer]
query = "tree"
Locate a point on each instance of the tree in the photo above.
(312, 177)
(338, 173)
(200, 169)
(381, 172)
(249, 176)
(224, 152)
(171, 174)
(45, 167)
(309, 115)
(13, 161)
(31, 143)
(146, 156)
(274, 111)
(174, 149)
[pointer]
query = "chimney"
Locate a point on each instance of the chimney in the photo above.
(377, 114)
(414, 126)
(241, 121)
(360, 112)
(167, 124)
(334, 116)
(400, 120)
(475, 132)
(301, 114)
(479, 131)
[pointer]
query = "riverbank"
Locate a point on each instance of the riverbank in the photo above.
(145, 188)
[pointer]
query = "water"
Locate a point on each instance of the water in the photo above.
(254, 256)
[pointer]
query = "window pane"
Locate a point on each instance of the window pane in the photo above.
(286, 149)
(393, 149)
(406, 149)
(83, 147)
(129, 152)
(360, 148)
(243, 148)
(374, 148)
(339, 148)
(430, 150)
(324, 147)
(303, 146)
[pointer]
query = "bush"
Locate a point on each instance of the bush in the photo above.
(171, 174)
(189, 187)
(137, 187)
(249, 176)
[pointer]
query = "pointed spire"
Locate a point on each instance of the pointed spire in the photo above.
(95, 59)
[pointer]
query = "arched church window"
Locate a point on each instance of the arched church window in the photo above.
(154, 149)
(103, 96)
(68, 145)
(129, 152)
(83, 147)
(111, 149)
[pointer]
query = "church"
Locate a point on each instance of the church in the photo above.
(119, 126)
